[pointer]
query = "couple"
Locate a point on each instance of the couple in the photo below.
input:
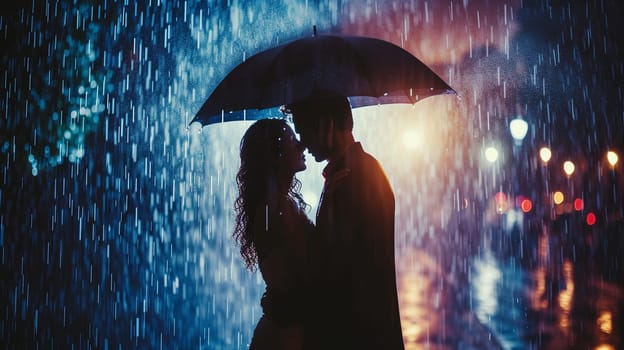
(331, 285)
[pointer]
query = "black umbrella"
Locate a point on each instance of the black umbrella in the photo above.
(367, 70)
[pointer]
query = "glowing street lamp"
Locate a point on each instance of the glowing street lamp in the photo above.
(612, 158)
(491, 154)
(518, 128)
(545, 154)
(568, 167)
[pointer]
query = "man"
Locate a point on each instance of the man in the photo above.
(353, 301)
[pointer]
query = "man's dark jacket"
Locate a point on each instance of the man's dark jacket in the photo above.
(353, 294)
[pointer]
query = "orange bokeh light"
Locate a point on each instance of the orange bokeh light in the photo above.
(526, 205)
(558, 197)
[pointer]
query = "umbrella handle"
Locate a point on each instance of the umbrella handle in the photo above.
(314, 30)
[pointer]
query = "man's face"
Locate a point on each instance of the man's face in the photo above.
(313, 134)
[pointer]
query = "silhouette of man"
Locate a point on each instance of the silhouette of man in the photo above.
(353, 301)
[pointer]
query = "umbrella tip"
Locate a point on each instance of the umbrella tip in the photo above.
(314, 30)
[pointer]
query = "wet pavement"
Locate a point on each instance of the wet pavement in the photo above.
(539, 291)
(433, 314)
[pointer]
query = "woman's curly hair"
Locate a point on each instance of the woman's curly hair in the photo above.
(260, 163)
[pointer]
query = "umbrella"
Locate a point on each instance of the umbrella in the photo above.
(367, 70)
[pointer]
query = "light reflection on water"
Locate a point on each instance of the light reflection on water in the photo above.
(417, 303)
(486, 277)
(605, 322)
(432, 313)
(565, 298)
(554, 304)
(605, 347)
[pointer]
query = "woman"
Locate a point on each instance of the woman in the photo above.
(271, 228)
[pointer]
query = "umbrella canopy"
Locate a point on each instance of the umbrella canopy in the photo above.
(367, 70)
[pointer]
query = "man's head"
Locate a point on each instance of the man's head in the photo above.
(318, 120)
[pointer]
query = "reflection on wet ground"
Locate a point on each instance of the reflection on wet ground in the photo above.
(486, 298)
(433, 313)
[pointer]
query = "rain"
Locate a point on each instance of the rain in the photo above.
(117, 213)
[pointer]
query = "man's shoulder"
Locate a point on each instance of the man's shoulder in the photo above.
(359, 159)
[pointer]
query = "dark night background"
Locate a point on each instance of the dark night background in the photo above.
(115, 215)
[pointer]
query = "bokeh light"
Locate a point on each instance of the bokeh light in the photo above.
(491, 154)
(518, 128)
(412, 140)
(612, 158)
(558, 197)
(545, 154)
(501, 202)
(526, 205)
(578, 204)
(590, 219)
(568, 167)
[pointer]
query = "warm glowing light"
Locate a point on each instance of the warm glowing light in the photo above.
(501, 202)
(491, 154)
(526, 205)
(605, 347)
(413, 312)
(412, 140)
(518, 128)
(566, 296)
(590, 219)
(538, 301)
(418, 314)
(605, 322)
(545, 154)
(568, 167)
(612, 158)
(558, 197)
(578, 204)
(500, 197)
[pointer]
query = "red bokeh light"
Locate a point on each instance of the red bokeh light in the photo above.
(526, 205)
(578, 204)
(590, 219)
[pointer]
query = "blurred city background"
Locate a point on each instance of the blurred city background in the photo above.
(116, 214)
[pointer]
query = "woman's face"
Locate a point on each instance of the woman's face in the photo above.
(292, 151)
